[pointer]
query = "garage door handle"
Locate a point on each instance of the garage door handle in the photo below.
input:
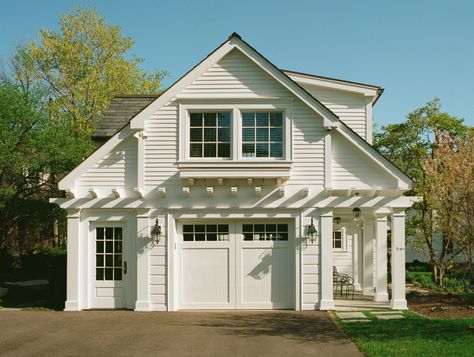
(125, 267)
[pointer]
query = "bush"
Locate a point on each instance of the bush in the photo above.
(425, 280)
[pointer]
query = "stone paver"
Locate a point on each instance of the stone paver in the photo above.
(351, 315)
(172, 334)
(358, 320)
(391, 312)
(390, 317)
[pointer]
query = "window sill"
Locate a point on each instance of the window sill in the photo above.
(235, 169)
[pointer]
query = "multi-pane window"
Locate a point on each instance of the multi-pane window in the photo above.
(108, 257)
(337, 240)
(210, 134)
(265, 231)
(205, 232)
(262, 134)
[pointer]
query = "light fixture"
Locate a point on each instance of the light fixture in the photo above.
(156, 232)
(356, 212)
(337, 220)
(311, 231)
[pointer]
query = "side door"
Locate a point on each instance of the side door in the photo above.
(108, 265)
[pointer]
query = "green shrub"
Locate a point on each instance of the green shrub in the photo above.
(425, 280)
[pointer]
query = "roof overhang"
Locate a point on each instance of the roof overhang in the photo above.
(367, 90)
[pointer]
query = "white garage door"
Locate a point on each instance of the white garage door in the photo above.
(236, 265)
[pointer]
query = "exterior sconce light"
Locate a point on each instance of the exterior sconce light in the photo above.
(337, 220)
(311, 231)
(356, 212)
(156, 232)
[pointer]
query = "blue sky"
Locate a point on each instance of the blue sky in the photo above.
(415, 49)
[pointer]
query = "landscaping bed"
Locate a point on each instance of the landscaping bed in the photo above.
(442, 304)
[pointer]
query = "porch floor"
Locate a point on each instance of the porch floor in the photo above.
(360, 302)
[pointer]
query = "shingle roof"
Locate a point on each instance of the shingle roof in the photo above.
(121, 110)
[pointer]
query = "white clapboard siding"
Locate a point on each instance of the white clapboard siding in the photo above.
(349, 107)
(308, 147)
(234, 76)
(161, 148)
(117, 169)
(351, 168)
(310, 277)
(157, 277)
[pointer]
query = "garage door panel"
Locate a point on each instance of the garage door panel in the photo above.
(206, 278)
(246, 265)
(264, 279)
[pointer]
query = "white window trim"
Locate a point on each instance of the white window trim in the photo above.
(343, 240)
(236, 130)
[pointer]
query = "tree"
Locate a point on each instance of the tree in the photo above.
(55, 93)
(408, 145)
(449, 190)
(82, 66)
(32, 150)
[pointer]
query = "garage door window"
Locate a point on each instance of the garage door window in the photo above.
(265, 231)
(205, 232)
(108, 253)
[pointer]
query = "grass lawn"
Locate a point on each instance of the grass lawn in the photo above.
(412, 336)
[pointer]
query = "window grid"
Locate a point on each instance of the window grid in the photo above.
(265, 232)
(262, 134)
(210, 135)
(205, 232)
(108, 253)
(337, 240)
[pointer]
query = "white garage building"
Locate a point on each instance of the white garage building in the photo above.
(205, 197)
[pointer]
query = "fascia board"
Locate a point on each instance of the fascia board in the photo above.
(68, 182)
(376, 157)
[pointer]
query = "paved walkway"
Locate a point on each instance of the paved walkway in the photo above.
(127, 333)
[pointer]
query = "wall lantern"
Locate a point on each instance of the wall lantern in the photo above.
(311, 231)
(337, 220)
(156, 232)
(356, 212)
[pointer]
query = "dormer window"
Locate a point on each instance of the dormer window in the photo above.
(235, 140)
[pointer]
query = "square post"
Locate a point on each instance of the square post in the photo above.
(143, 247)
(368, 256)
(381, 257)
(398, 301)
(73, 262)
(356, 256)
(326, 301)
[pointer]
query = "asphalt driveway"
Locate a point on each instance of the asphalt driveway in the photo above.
(127, 333)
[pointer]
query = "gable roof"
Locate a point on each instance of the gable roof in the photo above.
(235, 41)
(121, 110)
(137, 121)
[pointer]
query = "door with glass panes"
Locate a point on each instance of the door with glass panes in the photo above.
(236, 264)
(110, 267)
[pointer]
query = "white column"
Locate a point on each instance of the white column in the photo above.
(368, 252)
(398, 301)
(381, 257)
(73, 261)
(326, 301)
(355, 256)
(143, 246)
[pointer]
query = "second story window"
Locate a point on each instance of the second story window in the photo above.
(210, 134)
(262, 134)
